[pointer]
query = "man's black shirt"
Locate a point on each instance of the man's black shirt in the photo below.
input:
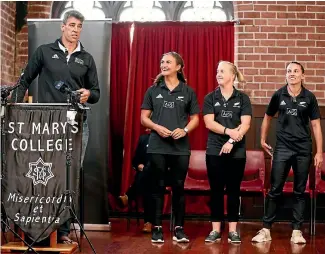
(228, 114)
(293, 128)
(171, 110)
(141, 156)
(50, 63)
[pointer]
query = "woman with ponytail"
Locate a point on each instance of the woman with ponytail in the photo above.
(166, 107)
(227, 115)
(298, 110)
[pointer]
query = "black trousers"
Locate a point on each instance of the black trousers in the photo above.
(283, 160)
(178, 166)
(225, 171)
(141, 186)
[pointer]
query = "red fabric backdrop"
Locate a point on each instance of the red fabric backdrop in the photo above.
(120, 59)
(201, 44)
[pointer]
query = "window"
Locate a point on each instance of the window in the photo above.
(145, 10)
(142, 11)
(90, 9)
(203, 11)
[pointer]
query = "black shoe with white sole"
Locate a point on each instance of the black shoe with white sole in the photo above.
(213, 237)
(157, 235)
(180, 236)
(233, 237)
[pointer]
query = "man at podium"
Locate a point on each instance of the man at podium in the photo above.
(65, 61)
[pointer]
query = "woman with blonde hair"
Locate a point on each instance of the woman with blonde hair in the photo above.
(227, 115)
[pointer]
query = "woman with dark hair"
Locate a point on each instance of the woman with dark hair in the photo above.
(167, 105)
(227, 114)
(296, 107)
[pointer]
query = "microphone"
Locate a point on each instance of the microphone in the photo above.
(6, 89)
(74, 96)
(62, 87)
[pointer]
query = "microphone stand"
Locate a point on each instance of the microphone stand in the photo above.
(5, 90)
(68, 192)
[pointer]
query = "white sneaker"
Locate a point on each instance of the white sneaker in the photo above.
(297, 237)
(263, 235)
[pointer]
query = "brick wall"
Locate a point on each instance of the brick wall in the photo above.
(36, 10)
(7, 46)
(14, 46)
(270, 35)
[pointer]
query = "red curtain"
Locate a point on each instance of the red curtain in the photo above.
(120, 58)
(201, 44)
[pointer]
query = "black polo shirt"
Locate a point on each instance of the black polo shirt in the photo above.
(293, 119)
(170, 109)
(227, 113)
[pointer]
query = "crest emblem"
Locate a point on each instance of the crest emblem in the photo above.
(40, 172)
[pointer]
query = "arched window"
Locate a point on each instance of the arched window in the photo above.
(92, 10)
(204, 11)
(142, 11)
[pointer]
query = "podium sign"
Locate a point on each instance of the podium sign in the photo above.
(34, 166)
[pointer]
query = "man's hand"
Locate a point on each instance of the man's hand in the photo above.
(318, 160)
(267, 148)
(140, 167)
(178, 133)
(162, 131)
(226, 148)
(84, 95)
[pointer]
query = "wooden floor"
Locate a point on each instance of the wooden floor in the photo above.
(120, 240)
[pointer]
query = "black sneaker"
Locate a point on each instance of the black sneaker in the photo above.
(180, 236)
(233, 237)
(213, 237)
(157, 235)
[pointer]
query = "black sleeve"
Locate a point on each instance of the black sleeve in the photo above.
(194, 107)
(314, 109)
(92, 82)
(33, 68)
(147, 101)
(140, 153)
(246, 107)
(208, 107)
(273, 106)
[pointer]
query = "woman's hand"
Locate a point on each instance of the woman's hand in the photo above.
(235, 134)
(226, 148)
(162, 131)
(318, 160)
(267, 148)
(178, 133)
